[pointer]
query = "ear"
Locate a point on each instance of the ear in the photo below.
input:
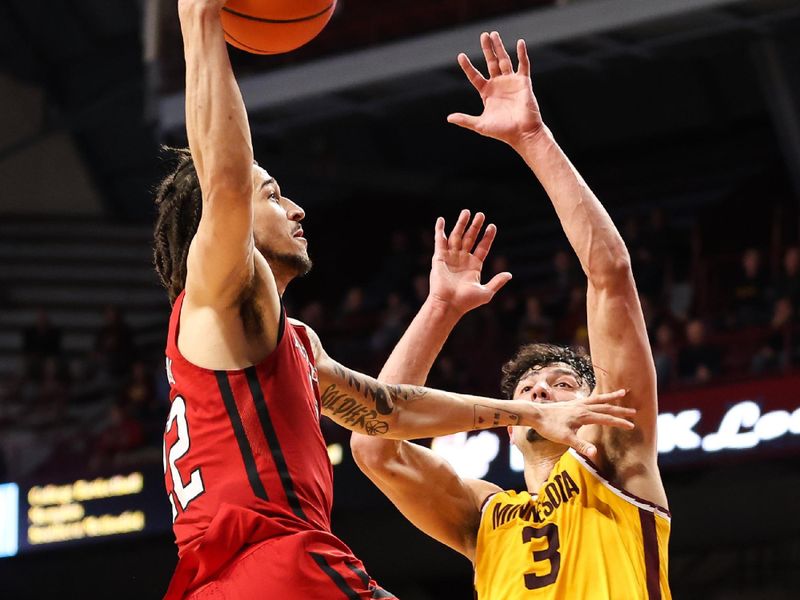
(510, 433)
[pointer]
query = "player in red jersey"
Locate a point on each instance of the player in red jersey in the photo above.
(246, 468)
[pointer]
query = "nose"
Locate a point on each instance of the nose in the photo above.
(294, 211)
(541, 391)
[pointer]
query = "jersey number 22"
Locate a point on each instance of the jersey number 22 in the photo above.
(184, 492)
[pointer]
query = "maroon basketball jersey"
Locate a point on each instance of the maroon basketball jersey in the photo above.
(244, 457)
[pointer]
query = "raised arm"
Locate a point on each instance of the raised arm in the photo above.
(421, 484)
(221, 261)
(619, 345)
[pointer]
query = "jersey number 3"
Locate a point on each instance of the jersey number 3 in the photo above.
(550, 553)
(185, 492)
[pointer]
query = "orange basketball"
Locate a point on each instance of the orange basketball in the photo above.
(274, 26)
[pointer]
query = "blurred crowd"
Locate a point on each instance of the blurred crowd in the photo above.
(709, 318)
(98, 409)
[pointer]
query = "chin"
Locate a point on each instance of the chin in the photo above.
(299, 263)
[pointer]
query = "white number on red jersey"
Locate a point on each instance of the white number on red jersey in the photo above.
(185, 493)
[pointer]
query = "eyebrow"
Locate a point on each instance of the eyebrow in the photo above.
(266, 182)
(558, 372)
(569, 372)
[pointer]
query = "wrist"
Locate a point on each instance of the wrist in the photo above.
(531, 141)
(441, 310)
(532, 414)
(197, 9)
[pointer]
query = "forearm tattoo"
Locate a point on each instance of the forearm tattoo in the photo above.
(486, 417)
(345, 407)
(346, 410)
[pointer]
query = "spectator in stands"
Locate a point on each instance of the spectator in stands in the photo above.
(665, 355)
(574, 315)
(86, 383)
(788, 283)
(420, 286)
(648, 271)
(391, 325)
(673, 247)
(354, 324)
(534, 325)
(560, 282)
(698, 361)
(121, 434)
(40, 341)
(138, 395)
(53, 392)
(395, 272)
(114, 346)
(750, 290)
(776, 351)
(447, 372)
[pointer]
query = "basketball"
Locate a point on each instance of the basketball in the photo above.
(274, 26)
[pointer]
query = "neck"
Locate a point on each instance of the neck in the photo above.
(281, 284)
(539, 462)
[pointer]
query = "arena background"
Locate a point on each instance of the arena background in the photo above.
(683, 115)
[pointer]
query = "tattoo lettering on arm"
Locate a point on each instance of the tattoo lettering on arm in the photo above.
(384, 396)
(485, 416)
(347, 410)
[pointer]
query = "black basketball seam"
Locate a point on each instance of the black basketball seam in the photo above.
(263, 20)
(244, 46)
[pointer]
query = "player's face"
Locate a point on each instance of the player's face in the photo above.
(554, 383)
(277, 228)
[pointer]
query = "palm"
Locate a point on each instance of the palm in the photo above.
(510, 110)
(456, 270)
(456, 279)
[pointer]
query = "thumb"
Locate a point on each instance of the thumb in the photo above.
(585, 448)
(498, 281)
(462, 120)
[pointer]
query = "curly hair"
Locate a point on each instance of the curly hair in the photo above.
(179, 204)
(538, 356)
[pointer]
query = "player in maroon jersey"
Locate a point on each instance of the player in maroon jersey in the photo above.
(246, 468)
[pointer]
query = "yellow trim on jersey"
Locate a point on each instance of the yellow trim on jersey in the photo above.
(578, 537)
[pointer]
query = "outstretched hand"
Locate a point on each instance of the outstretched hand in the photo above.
(510, 110)
(560, 421)
(455, 279)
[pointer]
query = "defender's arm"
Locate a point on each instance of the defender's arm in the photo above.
(619, 345)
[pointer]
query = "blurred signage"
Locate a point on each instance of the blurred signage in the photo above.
(57, 513)
(41, 515)
(9, 519)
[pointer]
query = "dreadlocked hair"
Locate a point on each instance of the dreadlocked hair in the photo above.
(538, 356)
(179, 204)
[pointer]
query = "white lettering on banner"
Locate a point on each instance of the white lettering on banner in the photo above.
(730, 434)
(677, 431)
(742, 427)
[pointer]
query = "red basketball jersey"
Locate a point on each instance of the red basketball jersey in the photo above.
(244, 457)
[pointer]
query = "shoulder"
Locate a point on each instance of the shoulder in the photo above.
(482, 492)
(313, 338)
